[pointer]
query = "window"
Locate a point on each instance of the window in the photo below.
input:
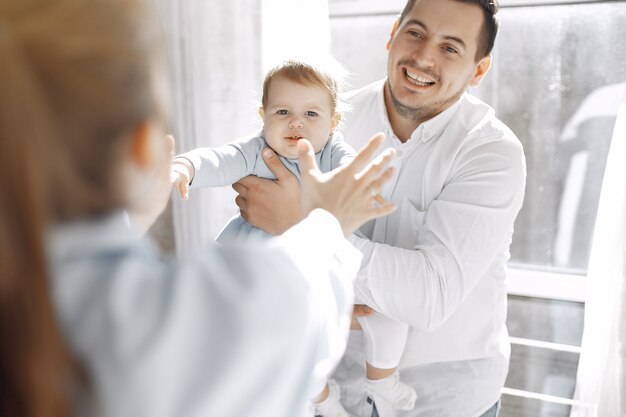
(558, 74)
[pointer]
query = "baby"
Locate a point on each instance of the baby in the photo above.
(299, 100)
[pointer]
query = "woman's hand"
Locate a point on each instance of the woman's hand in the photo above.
(349, 192)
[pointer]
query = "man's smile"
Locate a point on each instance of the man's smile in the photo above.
(418, 80)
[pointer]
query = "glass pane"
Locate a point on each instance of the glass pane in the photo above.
(541, 370)
(525, 407)
(545, 320)
(557, 80)
(359, 44)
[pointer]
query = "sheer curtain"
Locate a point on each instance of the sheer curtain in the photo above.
(218, 53)
(215, 67)
(601, 376)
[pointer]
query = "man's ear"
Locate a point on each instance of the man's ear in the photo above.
(141, 151)
(481, 70)
(392, 35)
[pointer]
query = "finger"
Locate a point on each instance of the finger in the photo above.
(366, 153)
(378, 199)
(362, 310)
(381, 210)
(306, 157)
(375, 167)
(240, 188)
(241, 202)
(275, 165)
(378, 183)
(355, 325)
(183, 188)
(249, 182)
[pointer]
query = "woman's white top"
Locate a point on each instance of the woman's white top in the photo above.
(231, 331)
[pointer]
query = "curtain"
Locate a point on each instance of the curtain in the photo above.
(600, 385)
(218, 54)
(215, 70)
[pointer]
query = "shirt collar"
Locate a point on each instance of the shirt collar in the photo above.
(426, 131)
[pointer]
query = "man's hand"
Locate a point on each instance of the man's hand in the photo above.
(360, 310)
(271, 205)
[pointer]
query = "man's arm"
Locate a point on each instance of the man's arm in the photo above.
(465, 229)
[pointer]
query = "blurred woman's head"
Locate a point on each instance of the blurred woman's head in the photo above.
(79, 81)
(78, 77)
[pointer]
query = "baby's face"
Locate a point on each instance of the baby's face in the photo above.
(295, 111)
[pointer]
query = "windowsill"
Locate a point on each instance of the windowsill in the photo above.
(548, 285)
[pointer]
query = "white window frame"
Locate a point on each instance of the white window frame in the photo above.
(376, 7)
(561, 286)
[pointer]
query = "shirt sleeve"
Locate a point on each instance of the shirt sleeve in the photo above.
(224, 165)
(463, 231)
(231, 331)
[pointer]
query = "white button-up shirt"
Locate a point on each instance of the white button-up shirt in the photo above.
(438, 262)
(231, 332)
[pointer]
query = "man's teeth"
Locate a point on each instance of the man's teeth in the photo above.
(417, 80)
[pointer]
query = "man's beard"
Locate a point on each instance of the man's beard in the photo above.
(425, 112)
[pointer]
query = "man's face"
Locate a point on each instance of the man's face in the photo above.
(432, 57)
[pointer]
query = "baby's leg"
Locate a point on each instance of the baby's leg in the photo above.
(384, 344)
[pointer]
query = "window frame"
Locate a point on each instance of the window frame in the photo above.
(374, 7)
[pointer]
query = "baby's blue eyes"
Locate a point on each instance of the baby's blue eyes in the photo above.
(308, 113)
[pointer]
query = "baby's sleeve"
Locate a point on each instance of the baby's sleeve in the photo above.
(224, 165)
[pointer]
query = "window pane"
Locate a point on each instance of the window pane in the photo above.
(537, 369)
(557, 80)
(525, 407)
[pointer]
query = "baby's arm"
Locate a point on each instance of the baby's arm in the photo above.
(215, 167)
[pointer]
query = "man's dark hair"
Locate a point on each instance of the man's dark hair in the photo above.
(490, 24)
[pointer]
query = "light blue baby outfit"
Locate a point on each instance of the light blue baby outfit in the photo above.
(225, 165)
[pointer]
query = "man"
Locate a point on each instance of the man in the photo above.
(438, 262)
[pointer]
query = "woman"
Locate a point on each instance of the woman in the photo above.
(92, 321)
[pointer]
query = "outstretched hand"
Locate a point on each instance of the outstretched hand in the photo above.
(349, 192)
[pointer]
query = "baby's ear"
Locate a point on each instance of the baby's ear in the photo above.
(336, 119)
(262, 112)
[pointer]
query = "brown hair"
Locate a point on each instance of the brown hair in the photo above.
(76, 75)
(328, 75)
(490, 26)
